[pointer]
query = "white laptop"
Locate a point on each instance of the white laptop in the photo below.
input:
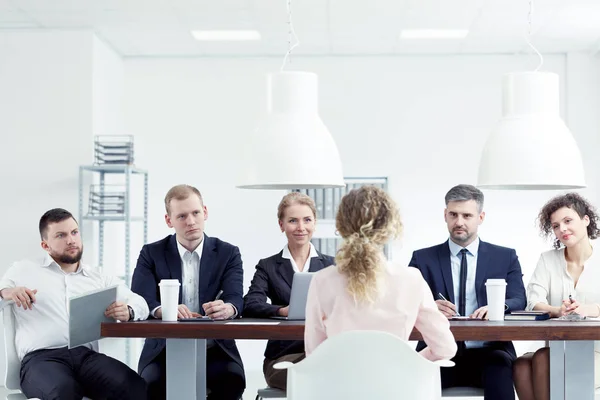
(300, 285)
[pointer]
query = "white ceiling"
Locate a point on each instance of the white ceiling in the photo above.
(324, 27)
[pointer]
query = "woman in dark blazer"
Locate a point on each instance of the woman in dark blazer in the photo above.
(273, 279)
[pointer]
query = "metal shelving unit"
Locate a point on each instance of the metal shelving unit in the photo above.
(128, 171)
(119, 213)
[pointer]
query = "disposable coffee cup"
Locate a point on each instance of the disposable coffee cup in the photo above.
(496, 294)
(169, 298)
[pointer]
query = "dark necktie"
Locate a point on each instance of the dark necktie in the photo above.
(462, 288)
(462, 294)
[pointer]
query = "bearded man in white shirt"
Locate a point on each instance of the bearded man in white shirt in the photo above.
(40, 291)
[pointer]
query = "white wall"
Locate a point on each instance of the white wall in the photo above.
(421, 121)
(45, 131)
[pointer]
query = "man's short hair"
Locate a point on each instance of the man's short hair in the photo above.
(465, 193)
(51, 217)
(180, 192)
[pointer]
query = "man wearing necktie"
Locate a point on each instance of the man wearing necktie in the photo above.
(456, 271)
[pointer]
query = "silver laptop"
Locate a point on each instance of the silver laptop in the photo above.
(300, 285)
(86, 313)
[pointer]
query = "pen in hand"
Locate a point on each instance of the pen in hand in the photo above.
(216, 298)
(441, 297)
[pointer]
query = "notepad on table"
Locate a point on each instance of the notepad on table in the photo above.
(527, 316)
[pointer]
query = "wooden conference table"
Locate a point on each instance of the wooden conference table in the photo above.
(571, 347)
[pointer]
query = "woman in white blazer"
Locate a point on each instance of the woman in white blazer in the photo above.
(566, 280)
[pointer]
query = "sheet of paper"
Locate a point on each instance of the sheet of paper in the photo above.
(252, 323)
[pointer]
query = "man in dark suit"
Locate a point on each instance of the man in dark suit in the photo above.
(456, 272)
(204, 266)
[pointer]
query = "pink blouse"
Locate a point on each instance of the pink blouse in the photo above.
(404, 302)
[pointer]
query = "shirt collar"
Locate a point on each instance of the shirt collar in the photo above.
(49, 261)
(287, 254)
(182, 250)
(473, 248)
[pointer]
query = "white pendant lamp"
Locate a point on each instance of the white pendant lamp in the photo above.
(531, 148)
(292, 148)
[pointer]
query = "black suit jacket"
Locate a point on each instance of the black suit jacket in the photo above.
(273, 279)
(220, 269)
(493, 262)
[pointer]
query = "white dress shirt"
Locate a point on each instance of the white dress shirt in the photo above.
(46, 326)
(287, 254)
(455, 257)
(471, 294)
(190, 276)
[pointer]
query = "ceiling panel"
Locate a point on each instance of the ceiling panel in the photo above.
(324, 27)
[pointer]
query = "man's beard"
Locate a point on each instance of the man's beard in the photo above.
(462, 238)
(68, 259)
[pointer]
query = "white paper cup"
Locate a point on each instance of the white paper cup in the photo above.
(496, 294)
(169, 298)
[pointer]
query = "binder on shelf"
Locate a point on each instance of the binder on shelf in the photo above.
(328, 200)
(319, 203)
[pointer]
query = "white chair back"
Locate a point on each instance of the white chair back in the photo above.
(12, 375)
(364, 365)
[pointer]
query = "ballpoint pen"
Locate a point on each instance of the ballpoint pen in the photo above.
(443, 298)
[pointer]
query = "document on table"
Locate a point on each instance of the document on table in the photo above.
(252, 323)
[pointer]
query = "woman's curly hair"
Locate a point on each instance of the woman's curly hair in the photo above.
(367, 219)
(575, 202)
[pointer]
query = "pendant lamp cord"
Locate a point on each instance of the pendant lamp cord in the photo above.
(291, 35)
(528, 39)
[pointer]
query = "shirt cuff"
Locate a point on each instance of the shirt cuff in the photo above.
(153, 312)
(235, 312)
(137, 312)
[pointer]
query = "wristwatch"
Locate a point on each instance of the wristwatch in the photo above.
(131, 313)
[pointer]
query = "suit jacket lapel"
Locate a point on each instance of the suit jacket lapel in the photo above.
(444, 259)
(316, 263)
(173, 260)
(207, 263)
(285, 268)
(480, 274)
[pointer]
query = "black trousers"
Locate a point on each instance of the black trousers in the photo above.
(72, 374)
(225, 378)
(489, 368)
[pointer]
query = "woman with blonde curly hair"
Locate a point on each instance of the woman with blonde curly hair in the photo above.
(366, 292)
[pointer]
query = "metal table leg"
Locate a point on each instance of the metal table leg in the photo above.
(557, 370)
(186, 369)
(572, 370)
(579, 370)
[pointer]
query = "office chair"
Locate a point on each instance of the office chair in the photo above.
(364, 365)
